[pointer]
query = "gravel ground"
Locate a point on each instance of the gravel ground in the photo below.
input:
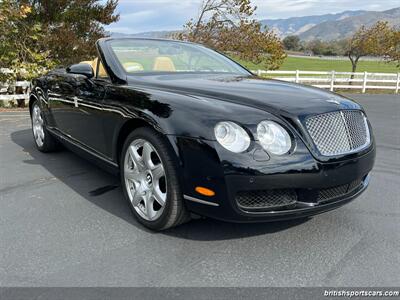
(55, 232)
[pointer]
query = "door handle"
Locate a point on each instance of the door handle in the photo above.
(76, 101)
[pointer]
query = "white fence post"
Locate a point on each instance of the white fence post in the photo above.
(397, 83)
(332, 81)
(259, 73)
(365, 83)
(297, 76)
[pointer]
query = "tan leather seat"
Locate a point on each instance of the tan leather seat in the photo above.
(132, 67)
(164, 64)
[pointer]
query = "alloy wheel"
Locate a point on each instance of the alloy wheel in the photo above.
(145, 179)
(37, 125)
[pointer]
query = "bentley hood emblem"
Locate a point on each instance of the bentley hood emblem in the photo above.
(334, 101)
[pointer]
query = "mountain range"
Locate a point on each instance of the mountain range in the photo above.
(345, 27)
(300, 25)
(323, 27)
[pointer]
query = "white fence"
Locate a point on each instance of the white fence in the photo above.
(8, 91)
(338, 80)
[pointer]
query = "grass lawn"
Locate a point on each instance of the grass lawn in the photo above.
(309, 64)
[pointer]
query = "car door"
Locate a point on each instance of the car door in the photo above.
(61, 90)
(87, 127)
(76, 105)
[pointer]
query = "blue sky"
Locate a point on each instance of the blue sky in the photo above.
(153, 15)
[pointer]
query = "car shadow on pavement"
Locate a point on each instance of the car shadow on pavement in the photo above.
(103, 189)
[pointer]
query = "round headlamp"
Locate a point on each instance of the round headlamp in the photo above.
(232, 137)
(274, 138)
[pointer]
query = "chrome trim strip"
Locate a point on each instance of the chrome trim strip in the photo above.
(61, 100)
(103, 109)
(79, 102)
(307, 204)
(199, 200)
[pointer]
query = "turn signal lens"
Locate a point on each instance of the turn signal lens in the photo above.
(204, 191)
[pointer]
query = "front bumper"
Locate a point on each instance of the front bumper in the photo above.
(300, 210)
(205, 164)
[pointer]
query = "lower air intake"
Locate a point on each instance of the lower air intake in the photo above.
(266, 198)
(338, 191)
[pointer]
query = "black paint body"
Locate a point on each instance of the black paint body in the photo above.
(92, 116)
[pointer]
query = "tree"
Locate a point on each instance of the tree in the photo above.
(329, 48)
(393, 46)
(292, 42)
(317, 47)
(368, 41)
(228, 26)
(21, 51)
(71, 27)
(22, 56)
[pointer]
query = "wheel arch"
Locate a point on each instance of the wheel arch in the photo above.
(123, 133)
(32, 98)
(136, 123)
(127, 128)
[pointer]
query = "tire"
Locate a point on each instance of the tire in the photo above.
(149, 179)
(44, 141)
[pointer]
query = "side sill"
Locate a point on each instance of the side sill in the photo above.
(81, 147)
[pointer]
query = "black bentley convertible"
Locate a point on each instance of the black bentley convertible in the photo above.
(191, 132)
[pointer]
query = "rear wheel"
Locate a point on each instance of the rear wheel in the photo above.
(43, 140)
(150, 180)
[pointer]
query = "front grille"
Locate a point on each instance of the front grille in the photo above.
(339, 132)
(266, 198)
(338, 191)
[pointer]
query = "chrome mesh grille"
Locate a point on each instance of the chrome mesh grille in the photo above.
(338, 191)
(339, 132)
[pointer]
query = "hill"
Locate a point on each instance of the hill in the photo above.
(299, 25)
(331, 30)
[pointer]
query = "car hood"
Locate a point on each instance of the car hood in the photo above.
(269, 95)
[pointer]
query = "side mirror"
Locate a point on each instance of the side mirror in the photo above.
(81, 69)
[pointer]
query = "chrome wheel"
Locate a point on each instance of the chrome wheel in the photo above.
(145, 179)
(37, 125)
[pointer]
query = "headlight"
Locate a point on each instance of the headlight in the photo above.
(274, 138)
(232, 137)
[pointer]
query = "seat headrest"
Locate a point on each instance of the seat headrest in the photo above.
(133, 66)
(164, 64)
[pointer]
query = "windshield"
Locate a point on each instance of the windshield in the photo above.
(154, 56)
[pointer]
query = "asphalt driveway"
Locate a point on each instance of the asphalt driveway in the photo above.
(63, 222)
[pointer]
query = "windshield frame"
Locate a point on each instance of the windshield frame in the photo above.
(242, 71)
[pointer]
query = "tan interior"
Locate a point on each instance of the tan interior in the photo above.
(161, 64)
(133, 67)
(164, 64)
(93, 64)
